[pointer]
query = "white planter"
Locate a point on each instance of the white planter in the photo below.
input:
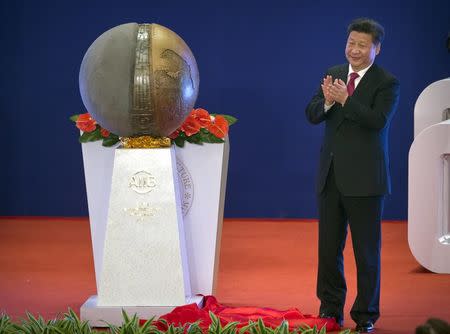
(202, 171)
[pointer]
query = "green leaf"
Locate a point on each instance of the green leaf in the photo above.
(195, 139)
(214, 319)
(214, 327)
(303, 326)
(171, 329)
(91, 136)
(55, 329)
(261, 326)
(247, 328)
(179, 141)
(37, 323)
(148, 326)
(230, 119)
(6, 326)
(230, 328)
(208, 137)
(164, 322)
(125, 317)
(194, 328)
(74, 118)
(111, 140)
(323, 330)
(113, 328)
(283, 328)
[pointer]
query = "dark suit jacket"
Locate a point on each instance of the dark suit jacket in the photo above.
(356, 135)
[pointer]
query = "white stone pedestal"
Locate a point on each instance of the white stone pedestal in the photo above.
(202, 172)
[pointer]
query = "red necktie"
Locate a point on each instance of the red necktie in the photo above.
(351, 83)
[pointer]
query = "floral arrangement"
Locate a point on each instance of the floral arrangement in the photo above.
(198, 128)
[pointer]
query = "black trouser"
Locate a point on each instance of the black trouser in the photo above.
(363, 214)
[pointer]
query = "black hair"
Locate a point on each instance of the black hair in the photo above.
(367, 26)
(434, 326)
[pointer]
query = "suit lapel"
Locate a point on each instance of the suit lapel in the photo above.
(366, 80)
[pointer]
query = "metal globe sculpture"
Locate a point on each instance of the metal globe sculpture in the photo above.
(138, 80)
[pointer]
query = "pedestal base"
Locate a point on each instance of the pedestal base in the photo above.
(101, 316)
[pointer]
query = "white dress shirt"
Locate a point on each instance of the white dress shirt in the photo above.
(360, 73)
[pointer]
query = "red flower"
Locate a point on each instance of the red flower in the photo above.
(174, 134)
(86, 123)
(190, 126)
(201, 116)
(104, 133)
(218, 127)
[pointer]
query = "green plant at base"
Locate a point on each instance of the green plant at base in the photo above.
(216, 326)
(38, 325)
(6, 326)
(131, 326)
(73, 324)
(70, 323)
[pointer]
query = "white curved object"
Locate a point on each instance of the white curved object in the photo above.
(429, 197)
(431, 105)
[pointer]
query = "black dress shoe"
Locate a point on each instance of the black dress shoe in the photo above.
(364, 327)
(339, 321)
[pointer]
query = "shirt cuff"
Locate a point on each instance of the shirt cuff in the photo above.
(326, 108)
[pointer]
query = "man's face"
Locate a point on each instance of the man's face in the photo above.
(360, 50)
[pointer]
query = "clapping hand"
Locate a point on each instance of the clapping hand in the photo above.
(327, 83)
(338, 91)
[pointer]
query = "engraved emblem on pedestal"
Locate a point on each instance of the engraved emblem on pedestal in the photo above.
(142, 211)
(142, 182)
(186, 186)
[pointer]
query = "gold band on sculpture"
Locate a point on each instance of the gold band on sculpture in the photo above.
(145, 142)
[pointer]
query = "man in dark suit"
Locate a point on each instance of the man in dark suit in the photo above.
(357, 102)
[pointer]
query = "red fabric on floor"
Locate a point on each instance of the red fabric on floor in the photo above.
(271, 317)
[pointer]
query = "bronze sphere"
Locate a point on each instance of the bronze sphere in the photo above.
(139, 79)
